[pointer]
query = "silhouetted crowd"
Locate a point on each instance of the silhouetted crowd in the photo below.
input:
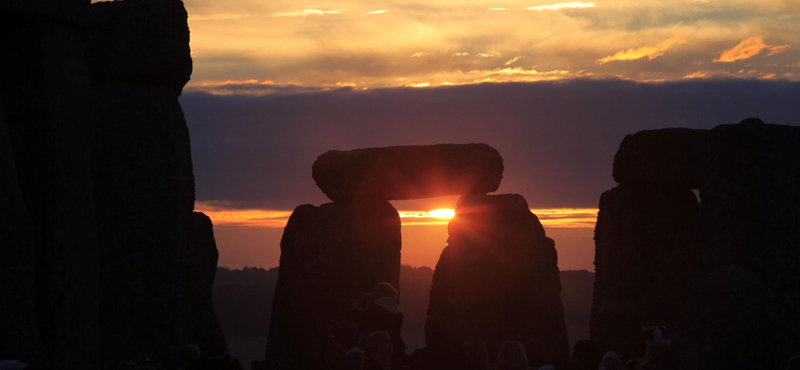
(370, 340)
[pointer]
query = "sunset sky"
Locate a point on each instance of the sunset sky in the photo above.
(553, 86)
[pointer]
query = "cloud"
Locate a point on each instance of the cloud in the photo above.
(775, 50)
(522, 71)
(512, 60)
(559, 6)
(749, 48)
(696, 75)
(307, 12)
(215, 17)
(377, 12)
(256, 151)
(649, 52)
(256, 87)
(498, 9)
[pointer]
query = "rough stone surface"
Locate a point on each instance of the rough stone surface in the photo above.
(144, 190)
(673, 156)
(143, 41)
(203, 256)
(498, 277)
(733, 322)
(645, 243)
(330, 255)
(408, 172)
(20, 337)
(47, 101)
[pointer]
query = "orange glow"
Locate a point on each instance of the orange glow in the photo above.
(580, 218)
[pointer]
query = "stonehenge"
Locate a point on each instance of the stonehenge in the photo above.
(496, 280)
(745, 221)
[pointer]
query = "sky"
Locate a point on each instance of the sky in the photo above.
(369, 44)
(553, 86)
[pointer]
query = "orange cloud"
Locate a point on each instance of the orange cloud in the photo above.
(749, 48)
(559, 6)
(696, 75)
(307, 12)
(512, 60)
(649, 52)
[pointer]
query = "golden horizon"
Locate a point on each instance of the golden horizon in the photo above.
(581, 218)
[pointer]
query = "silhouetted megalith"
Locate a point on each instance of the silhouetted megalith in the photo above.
(748, 175)
(645, 242)
(145, 41)
(408, 172)
(203, 256)
(48, 108)
(734, 323)
(673, 156)
(330, 255)
(497, 279)
(143, 179)
(20, 338)
(751, 208)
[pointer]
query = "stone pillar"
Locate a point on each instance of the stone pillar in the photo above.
(751, 209)
(330, 255)
(203, 255)
(498, 277)
(645, 261)
(47, 101)
(20, 339)
(138, 53)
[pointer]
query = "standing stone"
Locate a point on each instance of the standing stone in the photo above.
(138, 52)
(330, 255)
(645, 260)
(408, 172)
(47, 100)
(203, 256)
(751, 208)
(498, 277)
(20, 339)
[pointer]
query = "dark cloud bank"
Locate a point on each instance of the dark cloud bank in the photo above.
(558, 139)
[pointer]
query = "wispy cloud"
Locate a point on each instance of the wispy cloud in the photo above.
(525, 72)
(559, 6)
(215, 17)
(419, 55)
(749, 48)
(512, 60)
(696, 75)
(498, 9)
(377, 12)
(307, 12)
(649, 52)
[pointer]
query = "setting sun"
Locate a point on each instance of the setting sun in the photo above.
(443, 213)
